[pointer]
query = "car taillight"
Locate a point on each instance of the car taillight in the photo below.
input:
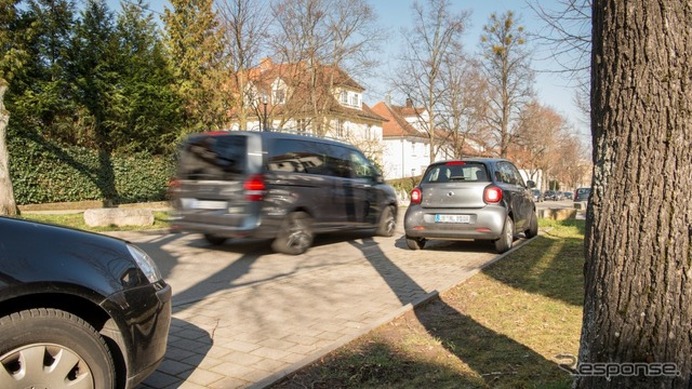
(416, 196)
(492, 194)
(173, 185)
(254, 188)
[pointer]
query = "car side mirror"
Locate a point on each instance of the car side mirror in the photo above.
(530, 184)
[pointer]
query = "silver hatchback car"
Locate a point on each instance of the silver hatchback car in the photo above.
(474, 198)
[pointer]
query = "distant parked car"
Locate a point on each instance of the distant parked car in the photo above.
(77, 309)
(475, 198)
(568, 195)
(582, 194)
(537, 195)
(549, 195)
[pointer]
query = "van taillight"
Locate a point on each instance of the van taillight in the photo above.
(416, 196)
(173, 185)
(254, 188)
(492, 194)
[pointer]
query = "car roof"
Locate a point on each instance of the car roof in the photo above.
(276, 135)
(472, 159)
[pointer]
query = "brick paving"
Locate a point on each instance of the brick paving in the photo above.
(243, 316)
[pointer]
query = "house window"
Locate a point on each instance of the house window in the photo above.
(340, 128)
(343, 97)
(278, 96)
(355, 100)
(302, 126)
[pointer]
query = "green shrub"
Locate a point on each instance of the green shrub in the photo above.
(404, 185)
(44, 172)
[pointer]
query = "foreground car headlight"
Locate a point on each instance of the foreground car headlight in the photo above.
(145, 263)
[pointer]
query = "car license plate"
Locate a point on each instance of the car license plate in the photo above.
(452, 218)
(203, 204)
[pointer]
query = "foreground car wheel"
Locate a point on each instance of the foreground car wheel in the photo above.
(505, 242)
(415, 243)
(295, 236)
(387, 223)
(54, 349)
(214, 239)
(533, 227)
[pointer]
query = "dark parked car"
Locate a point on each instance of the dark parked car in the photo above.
(77, 309)
(476, 198)
(537, 195)
(582, 194)
(568, 195)
(278, 186)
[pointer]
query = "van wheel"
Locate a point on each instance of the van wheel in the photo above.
(215, 239)
(415, 243)
(387, 223)
(295, 235)
(51, 348)
(507, 239)
(533, 227)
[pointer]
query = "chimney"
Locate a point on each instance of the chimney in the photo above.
(388, 99)
(409, 102)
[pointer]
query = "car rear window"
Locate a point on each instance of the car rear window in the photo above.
(213, 157)
(457, 171)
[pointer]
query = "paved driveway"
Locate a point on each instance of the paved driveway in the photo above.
(244, 316)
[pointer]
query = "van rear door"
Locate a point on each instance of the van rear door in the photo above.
(212, 169)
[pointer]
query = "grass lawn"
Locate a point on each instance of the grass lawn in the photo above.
(76, 220)
(503, 328)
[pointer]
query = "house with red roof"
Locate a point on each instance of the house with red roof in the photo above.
(317, 99)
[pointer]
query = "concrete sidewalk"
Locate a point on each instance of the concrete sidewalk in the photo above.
(245, 317)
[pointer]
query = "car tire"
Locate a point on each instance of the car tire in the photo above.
(415, 243)
(215, 239)
(56, 349)
(533, 226)
(507, 239)
(387, 224)
(295, 235)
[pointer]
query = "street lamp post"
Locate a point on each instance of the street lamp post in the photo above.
(264, 103)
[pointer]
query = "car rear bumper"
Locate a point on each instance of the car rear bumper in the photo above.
(484, 223)
(231, 227)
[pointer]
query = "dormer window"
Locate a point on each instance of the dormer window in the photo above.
(343, 97)
(278, 96)
(355, 100)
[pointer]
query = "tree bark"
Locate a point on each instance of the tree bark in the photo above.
(638, 270)
(8, 205)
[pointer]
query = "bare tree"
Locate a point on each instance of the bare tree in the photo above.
(434, 39)
(537, 140)
(506, 66)
(567, 38)
(7, 203)
(245, 24)
(463, 106)
(638, 229)
(12, 59)
(321, 41)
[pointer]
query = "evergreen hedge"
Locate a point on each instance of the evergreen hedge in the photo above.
(44, 172)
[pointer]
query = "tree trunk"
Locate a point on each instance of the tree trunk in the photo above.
(638, 271)
(7, 203)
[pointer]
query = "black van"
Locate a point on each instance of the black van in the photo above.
(280, 186)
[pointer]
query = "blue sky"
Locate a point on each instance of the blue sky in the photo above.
(553, 89)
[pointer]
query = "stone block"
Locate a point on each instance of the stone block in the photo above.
(558, 213)
(103, 217)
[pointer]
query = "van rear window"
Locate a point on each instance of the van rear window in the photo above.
(217, 157)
